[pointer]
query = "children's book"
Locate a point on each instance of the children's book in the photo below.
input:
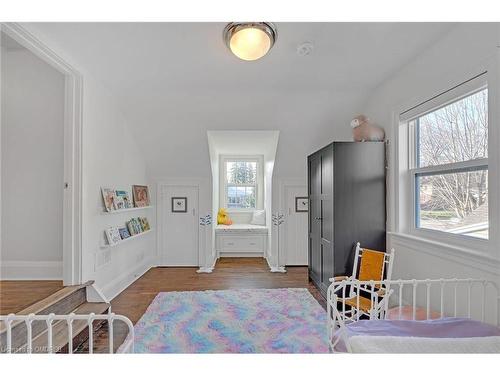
(124, 233)
(122, 199)
(144, 223)
(113, 235)
(109, 197)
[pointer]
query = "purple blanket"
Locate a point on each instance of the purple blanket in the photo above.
(439, 328)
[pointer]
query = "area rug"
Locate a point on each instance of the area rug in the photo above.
(233, 321)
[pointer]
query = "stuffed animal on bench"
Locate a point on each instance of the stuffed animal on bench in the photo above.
(223, 217)
(363, 130)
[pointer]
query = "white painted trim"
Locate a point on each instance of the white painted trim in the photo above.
(112, 289)
(94, 294)
(207, 269)
(401, 207)
(73, 108)
(31, 270)
(259, 204)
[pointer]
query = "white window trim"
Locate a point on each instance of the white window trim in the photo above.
(405, 218)
(260, 181)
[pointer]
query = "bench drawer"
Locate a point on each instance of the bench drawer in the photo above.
(237, 243)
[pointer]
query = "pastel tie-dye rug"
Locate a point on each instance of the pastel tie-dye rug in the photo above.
(233, 321)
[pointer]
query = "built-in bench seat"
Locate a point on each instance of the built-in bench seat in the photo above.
(238, 240)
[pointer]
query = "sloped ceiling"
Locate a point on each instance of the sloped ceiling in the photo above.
(175, 81)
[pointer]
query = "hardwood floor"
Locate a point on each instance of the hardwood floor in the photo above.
(229, 273)
(17, 295)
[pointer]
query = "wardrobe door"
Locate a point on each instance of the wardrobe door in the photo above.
(359, 200)
(325, 219)
(314, 186)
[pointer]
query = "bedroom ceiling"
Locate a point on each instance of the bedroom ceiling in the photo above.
(171, 76)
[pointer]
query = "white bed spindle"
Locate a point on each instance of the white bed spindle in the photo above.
(29, 333)
(469, 302)
(343, 298)
(414, 312)
(428, 302)
(8, 323)
(111, 317)
(69, 321)
(455, 299)
(90, 324)
(50, 320)
(400, 300)
(441, 281)
(483, 300)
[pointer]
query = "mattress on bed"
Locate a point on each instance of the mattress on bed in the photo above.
(395, 344)
(239, 228)
(438, 328)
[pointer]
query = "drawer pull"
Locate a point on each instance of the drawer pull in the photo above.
(230, 243)
(252, 243)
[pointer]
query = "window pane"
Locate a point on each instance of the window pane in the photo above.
(454, 203)
(455, 133)
(241, 172)
(241, 197)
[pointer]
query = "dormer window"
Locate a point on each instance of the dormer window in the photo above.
(242, 182)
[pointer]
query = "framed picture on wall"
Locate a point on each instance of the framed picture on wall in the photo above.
(141, 195)
(301, 204)
(179, 204)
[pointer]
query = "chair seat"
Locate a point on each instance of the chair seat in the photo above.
(365, 304)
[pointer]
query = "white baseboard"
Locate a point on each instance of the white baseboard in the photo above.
(207, 269)
(112, 289)
(27, 270)
(280, 269)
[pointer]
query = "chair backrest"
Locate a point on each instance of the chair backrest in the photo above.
(373, 265)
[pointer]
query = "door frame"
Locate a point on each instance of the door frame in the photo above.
(283, 185)
(72, 188)
(161, 220)
(286, 186)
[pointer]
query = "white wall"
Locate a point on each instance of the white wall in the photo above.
(32, 167)
(110, 158)
(460, 54)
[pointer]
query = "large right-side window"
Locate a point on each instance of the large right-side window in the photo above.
(448, 163)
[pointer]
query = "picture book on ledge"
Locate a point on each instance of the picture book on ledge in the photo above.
(141, 195)
(122, 200)
(109, 197)
(113, 235)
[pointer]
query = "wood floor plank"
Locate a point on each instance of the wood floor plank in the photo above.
(17, 295)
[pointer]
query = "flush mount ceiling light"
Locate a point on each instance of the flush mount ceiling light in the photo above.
(250, 40)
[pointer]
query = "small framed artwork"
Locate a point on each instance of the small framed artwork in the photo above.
(141, 195)
(301, 204)
(179, 204)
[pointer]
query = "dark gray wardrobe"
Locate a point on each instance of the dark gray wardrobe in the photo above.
(346, 185)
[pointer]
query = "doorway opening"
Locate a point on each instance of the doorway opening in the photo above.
(40, 161)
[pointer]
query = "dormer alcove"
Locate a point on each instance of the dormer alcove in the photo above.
(242, 164)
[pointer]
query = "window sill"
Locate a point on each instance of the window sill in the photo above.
(468, 256)
(240, 210)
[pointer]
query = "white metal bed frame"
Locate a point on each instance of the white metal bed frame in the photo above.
(69, 318)
(336, 308)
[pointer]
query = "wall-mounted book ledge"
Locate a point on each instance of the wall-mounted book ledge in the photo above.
(125, 210)
(126, 239)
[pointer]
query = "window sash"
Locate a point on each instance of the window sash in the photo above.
(255, 186)
(411, 119)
